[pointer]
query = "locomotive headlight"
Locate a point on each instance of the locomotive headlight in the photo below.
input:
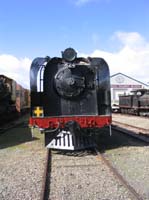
(69, 54)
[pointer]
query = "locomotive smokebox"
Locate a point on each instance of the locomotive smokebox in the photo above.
(69, 83)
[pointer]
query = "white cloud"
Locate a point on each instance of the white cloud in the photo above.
(17, 69)
(82, 2)
(132, 59)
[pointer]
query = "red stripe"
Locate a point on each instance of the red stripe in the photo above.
(83, 121)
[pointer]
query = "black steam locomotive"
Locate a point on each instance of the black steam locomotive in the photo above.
(69, 96)
(136, 103)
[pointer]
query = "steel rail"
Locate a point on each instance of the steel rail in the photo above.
(144, 138)
(118, 175)
(131, 126)
(45, 182)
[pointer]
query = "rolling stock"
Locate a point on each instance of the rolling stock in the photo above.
(136, 103)
(14, 99)
(70, 96)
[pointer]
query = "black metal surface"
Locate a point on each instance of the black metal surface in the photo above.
(46, 177)
(79, 87)
(74, 89)
(137, 103)
(35, 67)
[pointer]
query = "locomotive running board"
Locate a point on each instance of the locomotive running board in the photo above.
(65, 141)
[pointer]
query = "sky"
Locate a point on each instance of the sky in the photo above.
(116, 30)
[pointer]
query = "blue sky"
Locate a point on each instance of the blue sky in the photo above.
(30, 28)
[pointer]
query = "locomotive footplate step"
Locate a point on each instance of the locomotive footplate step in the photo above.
(65, 140)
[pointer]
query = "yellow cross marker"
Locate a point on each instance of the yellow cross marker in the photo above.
(38, 112)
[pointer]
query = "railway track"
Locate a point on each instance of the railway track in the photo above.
(115, 172)
(131, 130)
(131, 126)
(69, 162)
(46, 177)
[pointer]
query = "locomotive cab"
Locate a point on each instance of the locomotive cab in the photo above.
(69, 94)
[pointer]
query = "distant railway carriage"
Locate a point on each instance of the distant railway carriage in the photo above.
(14, 99)
(137, 103)
(69, 95)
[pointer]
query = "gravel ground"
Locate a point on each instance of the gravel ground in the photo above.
(21, 165)
(74, 176)
(133, 164)
(133, 161)
(130, 157)
(84, 178)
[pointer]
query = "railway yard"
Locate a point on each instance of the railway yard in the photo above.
(117, 168)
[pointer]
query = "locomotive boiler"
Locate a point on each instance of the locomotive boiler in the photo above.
(70, 96)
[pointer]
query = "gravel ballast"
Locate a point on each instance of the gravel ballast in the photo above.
(133, 164)
(84, 178)
(73, 175)
(21, 165)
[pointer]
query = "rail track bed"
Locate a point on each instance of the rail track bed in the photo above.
(134, 126)
(83, 175)
(130, 157)
(73, 174)
(86, 175)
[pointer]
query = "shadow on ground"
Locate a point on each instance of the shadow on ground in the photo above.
(105, 142)
(16, 136)
(75, 153)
